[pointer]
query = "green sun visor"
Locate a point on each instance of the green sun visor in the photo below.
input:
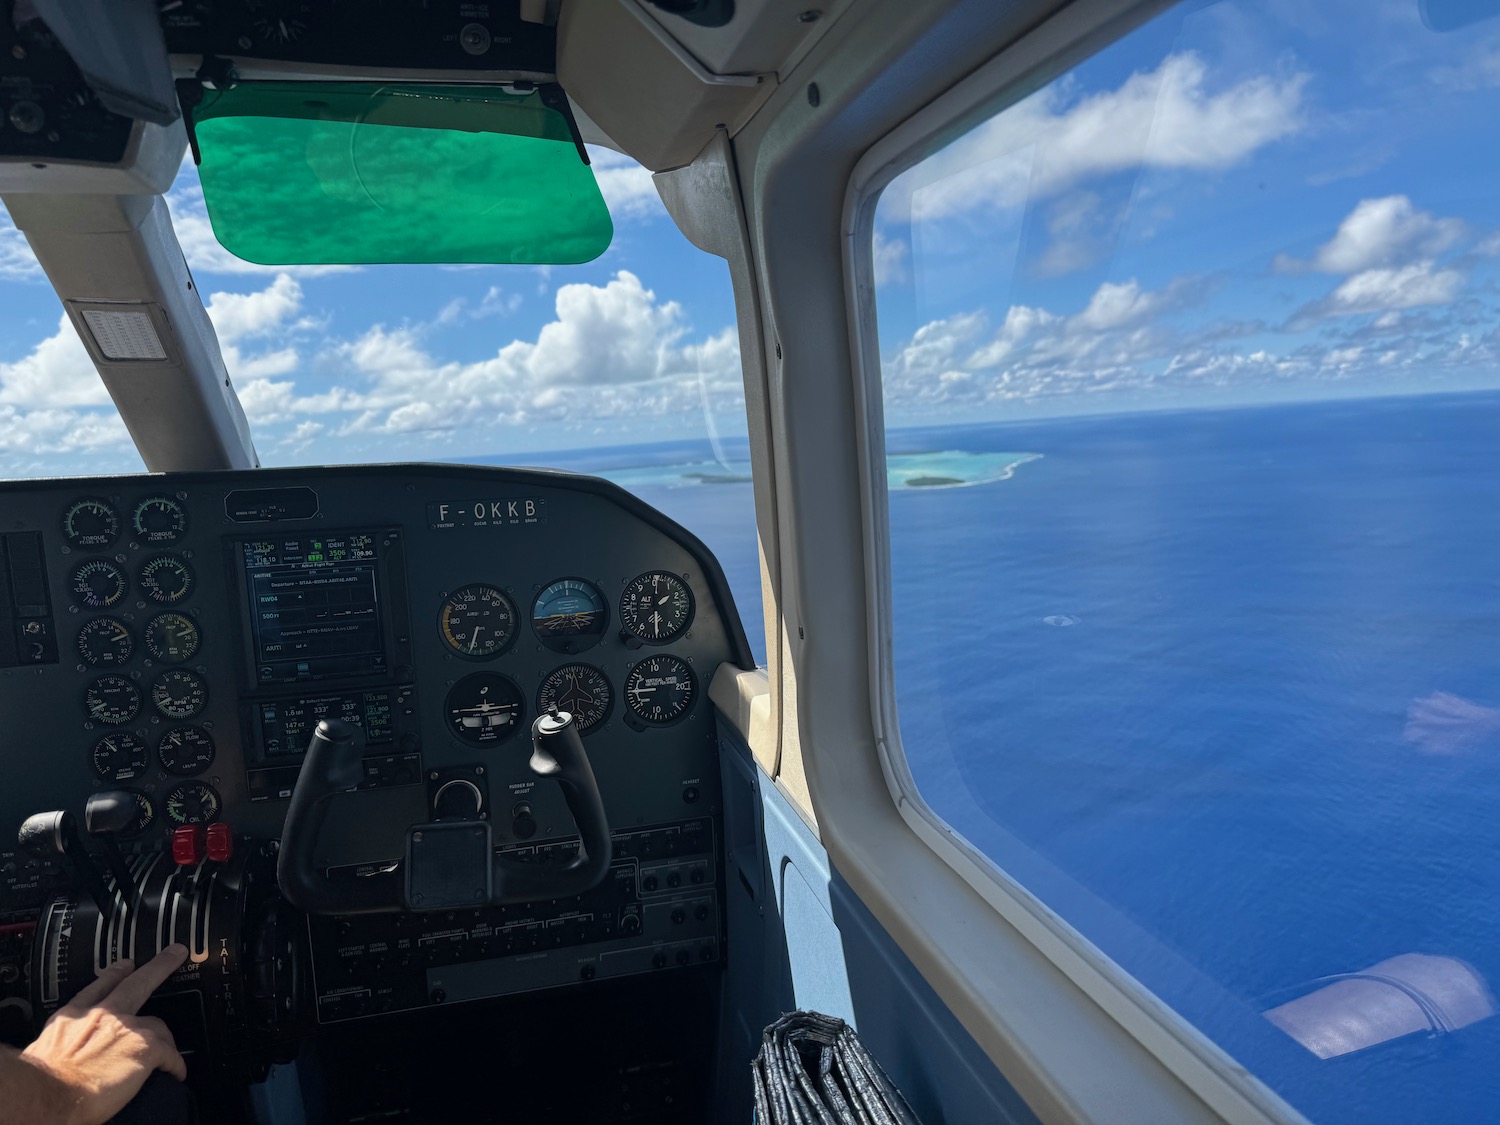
(321, 173)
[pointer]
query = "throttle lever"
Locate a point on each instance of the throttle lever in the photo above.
(105, 816)
(49, 834)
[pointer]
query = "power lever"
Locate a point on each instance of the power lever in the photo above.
(49, 834)
(105, 816)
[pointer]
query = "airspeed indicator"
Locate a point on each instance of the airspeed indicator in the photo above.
(477, 622)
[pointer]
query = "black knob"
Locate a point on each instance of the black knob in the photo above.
(674, 879)
(684, 957)
(523, 823)
(698, 875)
(648, 883)
(679, 916)
(659, 961)
(587, 972)
(701, 913)
(630, 924)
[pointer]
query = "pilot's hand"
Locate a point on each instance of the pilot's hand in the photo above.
(95, 1053)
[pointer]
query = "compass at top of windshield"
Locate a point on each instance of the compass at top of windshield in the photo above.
(158, 519)
(90, 523)
(570, 615)
(477, 622)
(657, 607)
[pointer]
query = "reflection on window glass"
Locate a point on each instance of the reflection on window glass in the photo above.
(1191, 368)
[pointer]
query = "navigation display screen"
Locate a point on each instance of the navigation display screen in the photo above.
(315, 609)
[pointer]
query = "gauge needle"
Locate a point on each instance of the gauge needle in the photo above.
(474, 640)
(663, 601)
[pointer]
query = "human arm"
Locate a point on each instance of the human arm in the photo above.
(96, 1052)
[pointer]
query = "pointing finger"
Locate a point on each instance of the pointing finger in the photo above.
(137, 988)
(102, 985)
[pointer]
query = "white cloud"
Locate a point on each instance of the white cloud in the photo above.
(1115, 305)
(1479, 71)
(1380, 232)
(1166, 118)
(17, 262)
(57, 373)
(203, 251)
(889, 259)
(240, 316)
(628, 190)
(1404, 287)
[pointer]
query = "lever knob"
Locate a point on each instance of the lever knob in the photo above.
(109, 813)
(49, 834)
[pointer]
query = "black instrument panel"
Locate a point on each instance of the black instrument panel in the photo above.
(180, 637)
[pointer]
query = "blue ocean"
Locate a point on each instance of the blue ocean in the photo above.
(1223, 689)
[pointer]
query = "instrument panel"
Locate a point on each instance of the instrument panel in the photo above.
(179, 638)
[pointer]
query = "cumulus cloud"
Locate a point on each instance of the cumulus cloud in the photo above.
(627, 187)
(1380, 232)
(56, 374)
(1166, 118)
(612, 350)
(17, 262)
(1383, 290)
(203, 251)
(889, 259)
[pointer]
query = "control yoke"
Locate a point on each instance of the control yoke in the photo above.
(449, 864)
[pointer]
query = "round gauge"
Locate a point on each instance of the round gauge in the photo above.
(579, 689)
(477, 622)
(179, 694)
(121, 757)
(192, 802)
(145, 814)
(485, 708)
(90, 523)
(660, 689)
(158, 519)
(98, 583)
(104, 642)
(569, 615)
(184, 751)
(166, 579)
(172, 638)
(657, 607)
(113, 700)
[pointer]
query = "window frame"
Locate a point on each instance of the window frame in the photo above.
(1051, 49)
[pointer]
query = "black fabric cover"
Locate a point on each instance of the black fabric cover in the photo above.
(813, 1070)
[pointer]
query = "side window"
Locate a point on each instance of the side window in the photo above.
(1191, 370)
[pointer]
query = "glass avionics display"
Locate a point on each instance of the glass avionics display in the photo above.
(315, 609)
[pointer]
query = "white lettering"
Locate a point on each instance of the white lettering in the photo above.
(495, 512)
(479, 510)
(442, 513)
(512, 507)
(531, 507)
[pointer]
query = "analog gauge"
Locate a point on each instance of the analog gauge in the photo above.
(660, 689)
(166, 579)
(90, 523)
(179, 694)
(104, 642)
(98, 583)
(657, 607)
(484, 709)
(121, 757)
(145, 814)
(579, 689)
(185, 750)
(192, 802)
(279, 21)
(113, 700)
(171, 638)
(569, 615)
(158, 519)
(477, 622)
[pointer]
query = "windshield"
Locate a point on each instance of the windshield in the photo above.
(626, 366)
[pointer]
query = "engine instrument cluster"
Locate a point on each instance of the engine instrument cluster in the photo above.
(174, 642)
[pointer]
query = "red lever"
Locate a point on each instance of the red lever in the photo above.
(220, 842)
(187, 845)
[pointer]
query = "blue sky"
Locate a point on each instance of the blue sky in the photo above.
(1241, 202)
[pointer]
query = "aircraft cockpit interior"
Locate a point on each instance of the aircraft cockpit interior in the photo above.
(793, 747)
